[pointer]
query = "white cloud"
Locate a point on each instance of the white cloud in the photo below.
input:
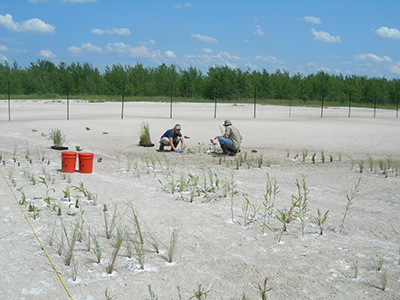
(314, 20)
(47, 53)
(325, 37)
(204, 39)
(149, 42)
(372, 57)
(117, 31)
(170, 54)
(117, 47)
(206, 50)
(186, 5)
(3, 58)
(370, 60)
(389, 33)
(84, 49)
(31, 26)
(259, 30)
(267, 58)
(222, 58)
(3, 48)
(395, 69)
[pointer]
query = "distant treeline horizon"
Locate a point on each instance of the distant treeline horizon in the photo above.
(219, 82)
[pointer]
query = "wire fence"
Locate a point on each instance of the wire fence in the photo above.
(347, 111)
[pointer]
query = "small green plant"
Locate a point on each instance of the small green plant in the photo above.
(172, 245)
(33, 211)
(144, 139)
(117, 246)
(282, 217)
(22, 201)
(300, 203)
(108, 297)
(263, 289)
(47, 198)
(67, 193)
(260, 160)
(361, 166)
(152, 294)
(57, 137)
(109, 228)
(320, 220)
(96, 248)
(81, 188)
(70, 243)
(322, 156)
(200, 293)
(350, 198)
(245, 210)
(383, 279)
(381, 261)
(139, 254)
(305, 152)
(355, 265)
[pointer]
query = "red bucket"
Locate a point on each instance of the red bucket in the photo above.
(68, 161)
(86, 162)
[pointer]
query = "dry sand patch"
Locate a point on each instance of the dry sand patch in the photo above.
(225, 257)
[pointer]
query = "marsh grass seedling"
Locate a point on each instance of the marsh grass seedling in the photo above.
(96, 248)
(109, 228)
(320, 220)
(282, 217)
(300, 202)
(172, 245)
(56, 136)
(350, 198)
(304, 155)
(260, 160)
(383, 279)
(117, 246)
(355, 266)
(200, 293)
(70, 243)
(108, 297)
(263, 289)
(152, 294)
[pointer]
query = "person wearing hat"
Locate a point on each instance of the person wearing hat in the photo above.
(231, 140)
(172, 137)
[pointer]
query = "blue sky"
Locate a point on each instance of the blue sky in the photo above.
(360, 37)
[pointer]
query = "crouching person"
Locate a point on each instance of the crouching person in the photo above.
(172, 137)
(231, 140)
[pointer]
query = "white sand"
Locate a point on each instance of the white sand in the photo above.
(225, 257)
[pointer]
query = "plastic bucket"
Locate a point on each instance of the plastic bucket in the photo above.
(68, 161)
(86, 162)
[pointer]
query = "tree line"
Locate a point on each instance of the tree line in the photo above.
(220, 82)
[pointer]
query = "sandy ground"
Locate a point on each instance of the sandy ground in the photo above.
(220, 249)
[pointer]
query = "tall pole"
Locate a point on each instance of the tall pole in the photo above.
(397, 107)
(123, 100)
(170, 109)
(9, 101)
(349, 104)
(67, 100)
(322, 105)
(255, 101)
(375, 106)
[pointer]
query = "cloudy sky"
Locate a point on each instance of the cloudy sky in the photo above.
(360, 37)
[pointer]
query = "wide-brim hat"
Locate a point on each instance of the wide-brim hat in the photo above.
(227, 123)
